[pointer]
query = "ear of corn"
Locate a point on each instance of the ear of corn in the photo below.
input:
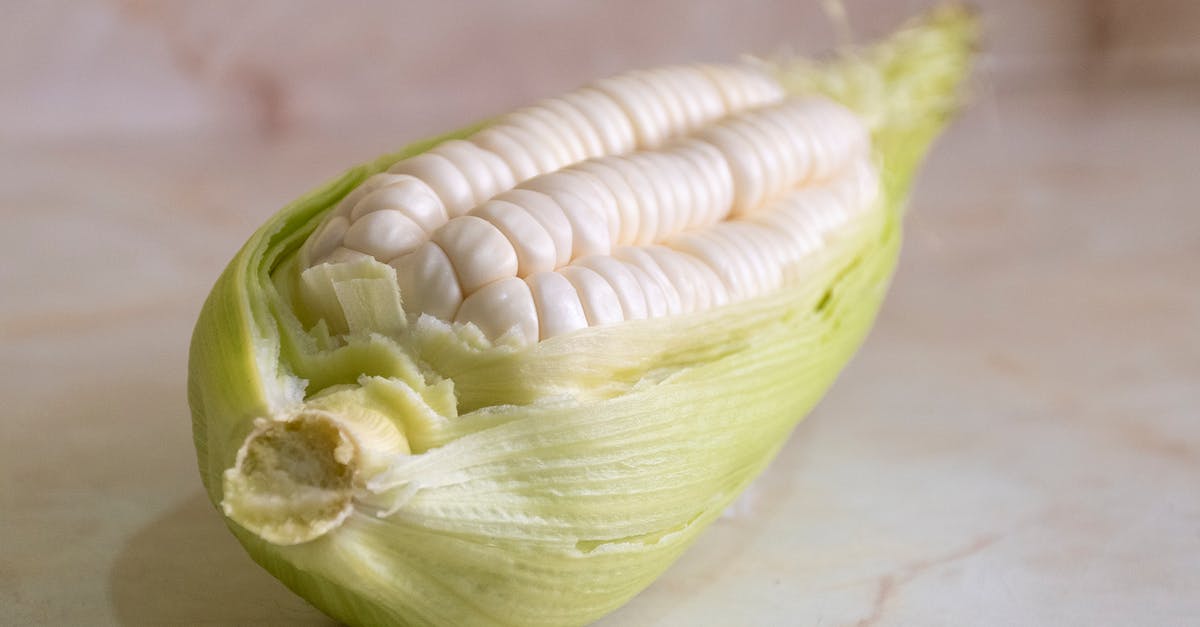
(447, 468)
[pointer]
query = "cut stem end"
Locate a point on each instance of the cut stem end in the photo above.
(294, 478)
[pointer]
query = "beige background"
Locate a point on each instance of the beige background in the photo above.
(1018, 442)
(275, 67)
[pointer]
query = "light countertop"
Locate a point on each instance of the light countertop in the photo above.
(1017, 443)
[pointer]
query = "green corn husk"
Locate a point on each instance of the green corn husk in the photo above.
(395, 470)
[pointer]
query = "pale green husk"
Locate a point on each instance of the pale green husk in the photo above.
(545, 485)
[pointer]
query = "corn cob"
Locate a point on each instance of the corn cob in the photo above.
(506, 376)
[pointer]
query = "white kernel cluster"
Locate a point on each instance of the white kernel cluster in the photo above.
(613, 116)
(650, 194)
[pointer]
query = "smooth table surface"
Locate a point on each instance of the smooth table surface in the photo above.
(1017, 443)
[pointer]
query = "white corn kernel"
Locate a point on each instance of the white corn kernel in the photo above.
(755, 246)
(588, 134)
(384, 234)
(479, 166)
(744, 165)
(642, 214)
(370, 184)
(409, 196)
(678, 83)
(478, 250)
(535, 249)
(505, 306)
(610, 122)
(600, 196)
(341, 254)
(623, 218)
(551, 135)
(592, 218)
(626, 286)
(559, 309)
(660, 91)
(703, 93)
(728, 85)
(714, 176)
(427, 282)
(600, 302)
(678, 275)
(440, 174)
(326, 238)
(514, 155)
(718, 294)
(744, 250)
(637, 257)
(673, 196)
(543, 155)
(712, 255)
(655, 298)
(549, 215)
(589, 230)
(774, 179)
(568, 135)
(649, 118)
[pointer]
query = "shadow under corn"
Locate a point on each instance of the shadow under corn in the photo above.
(185, 568)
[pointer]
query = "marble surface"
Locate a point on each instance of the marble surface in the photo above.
(1017, 443)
